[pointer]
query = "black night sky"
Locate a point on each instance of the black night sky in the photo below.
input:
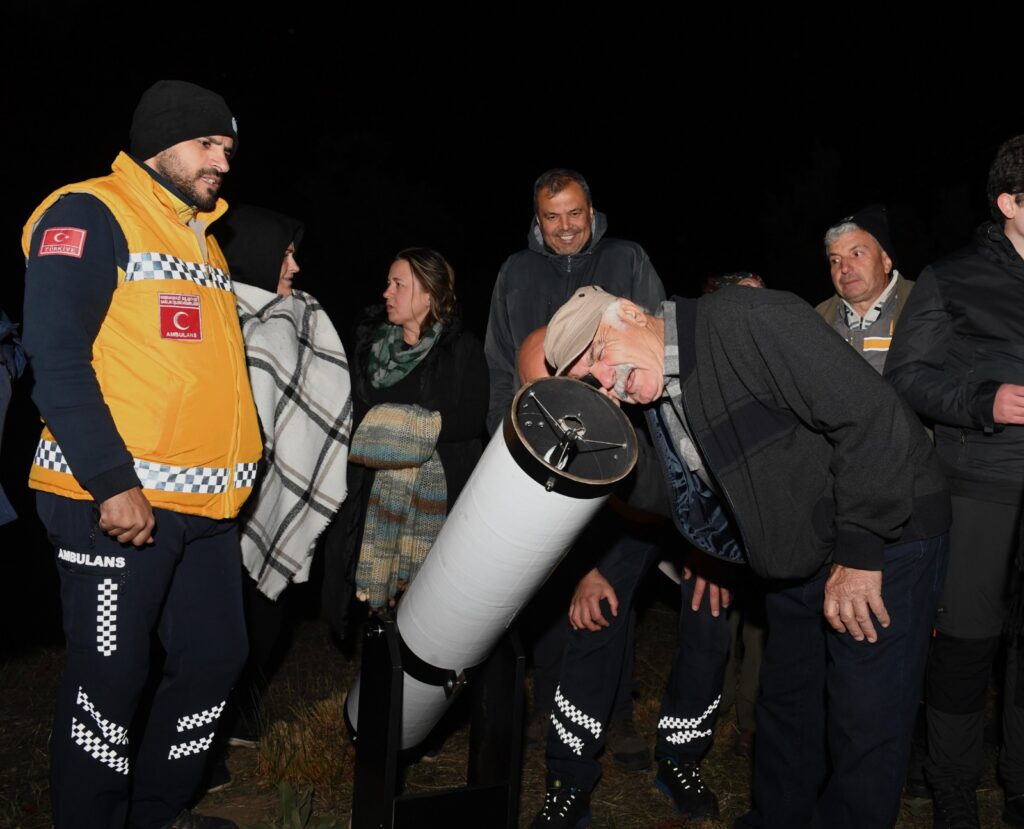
(718, 144)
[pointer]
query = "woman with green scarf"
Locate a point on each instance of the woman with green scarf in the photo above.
(420, 395)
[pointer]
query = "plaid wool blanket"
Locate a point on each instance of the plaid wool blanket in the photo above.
(300, 382)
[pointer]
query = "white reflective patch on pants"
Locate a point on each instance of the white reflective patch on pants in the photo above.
(106, 617)
(210, 715)
(191, 747)
(687, 729)
(97, 748)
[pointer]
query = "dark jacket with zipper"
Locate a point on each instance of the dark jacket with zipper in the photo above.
(961, 336)
(816, 458)
(536, 282)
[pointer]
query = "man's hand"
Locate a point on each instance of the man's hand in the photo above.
(851, 596)
(1009, 404)
(703, 567)
(128, 517)
(585, 607)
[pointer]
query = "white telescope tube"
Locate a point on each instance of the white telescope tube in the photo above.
(562, 448)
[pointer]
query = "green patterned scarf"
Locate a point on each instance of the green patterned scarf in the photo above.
(391, 359)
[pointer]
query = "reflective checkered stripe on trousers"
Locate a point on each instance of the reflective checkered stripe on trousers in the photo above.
(191, 747)
(162, 476)
(106, 617)
(100, 746)
(572, 725)
(207, 717)
(164, 266)
(190, 722)
(683, 730)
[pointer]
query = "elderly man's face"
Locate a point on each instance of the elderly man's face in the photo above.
(860, 269)
(628, 361)
(564, 219)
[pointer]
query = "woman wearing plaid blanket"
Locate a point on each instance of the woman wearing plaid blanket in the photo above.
(300, 381)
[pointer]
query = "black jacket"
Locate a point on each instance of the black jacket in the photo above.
(535, 282)
(816, 457)
(960, 337)
(452, 380)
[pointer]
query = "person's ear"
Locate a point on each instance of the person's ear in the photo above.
(1007, 205)
(632, 313)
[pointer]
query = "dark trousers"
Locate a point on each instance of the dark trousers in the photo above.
(835, 716)
(108, 770)
(592, 665)
(265, 625)
(747, 631)
(983, 542)
(544, 625)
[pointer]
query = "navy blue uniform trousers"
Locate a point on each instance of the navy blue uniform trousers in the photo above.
(835, 715)
(108, 769)
(592, 665)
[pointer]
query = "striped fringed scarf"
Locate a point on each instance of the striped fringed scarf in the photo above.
(407, 500)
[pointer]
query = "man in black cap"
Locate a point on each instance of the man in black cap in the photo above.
(870, 292)
(148, 452)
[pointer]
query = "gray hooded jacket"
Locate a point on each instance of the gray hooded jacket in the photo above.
(535, 282)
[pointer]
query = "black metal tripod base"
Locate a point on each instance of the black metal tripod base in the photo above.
(491, 794)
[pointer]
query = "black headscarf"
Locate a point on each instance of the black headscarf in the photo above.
(254, 240)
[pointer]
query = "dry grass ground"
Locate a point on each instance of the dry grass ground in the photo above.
(306, 744)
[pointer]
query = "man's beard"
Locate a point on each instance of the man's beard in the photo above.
(203, 200)
(189, 187)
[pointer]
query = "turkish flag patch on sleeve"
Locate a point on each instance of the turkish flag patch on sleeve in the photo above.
(63, 241)
(180, 317)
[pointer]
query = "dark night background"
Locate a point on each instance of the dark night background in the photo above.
(716, 144)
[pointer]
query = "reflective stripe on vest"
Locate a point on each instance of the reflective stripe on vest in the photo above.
(164, 266)
(161, 476)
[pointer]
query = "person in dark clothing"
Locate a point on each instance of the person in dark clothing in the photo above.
(413, 353)
(774, 443)
(566, 248)
(12, 365)
(958, 359)
(299, 376)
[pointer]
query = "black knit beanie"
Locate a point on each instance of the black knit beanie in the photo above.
(170, 112)
(873, 219)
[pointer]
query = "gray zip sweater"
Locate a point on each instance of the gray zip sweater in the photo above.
(535, 282)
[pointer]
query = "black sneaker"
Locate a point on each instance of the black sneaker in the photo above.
(189, 820)
(1013, 811)
(628, 748)
(564, 806)
(955, 806)
(682, 783)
